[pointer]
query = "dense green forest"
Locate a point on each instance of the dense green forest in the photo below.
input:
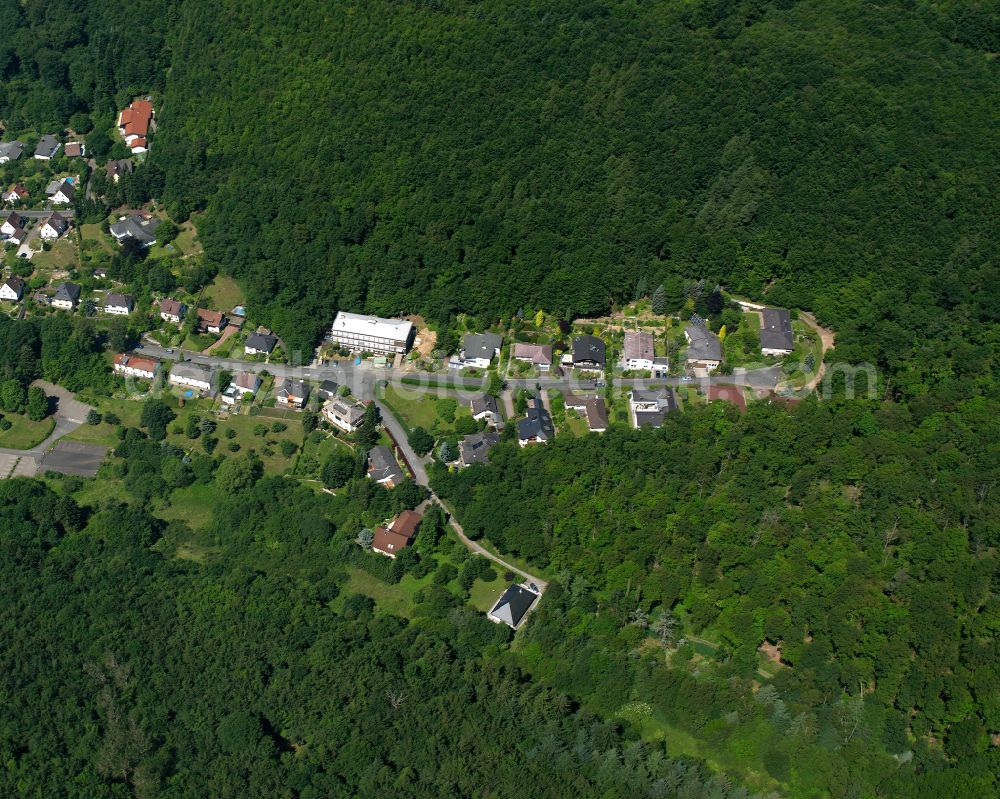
(858, 539)
(447, 156)
(127, 672)
(807, 598)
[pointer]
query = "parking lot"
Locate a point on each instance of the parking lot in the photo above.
(72, 457)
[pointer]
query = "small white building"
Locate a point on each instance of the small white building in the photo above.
(243, 383)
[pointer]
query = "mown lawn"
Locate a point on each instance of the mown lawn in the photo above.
(416, 409)
(62, 255)
(223, 294)
(397, 599)
(192, 505)
(24, 433)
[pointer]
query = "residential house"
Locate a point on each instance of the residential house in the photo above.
(243, 383)
(115, 169)
(61, 192)
(16, 194)
(647, 407)
(536, 427)
(388, 543)
(133, 124)
(342, 413)
(397, 534)
(704, 352)
(638, 351)
(118, 304)
(327, 390)
(172, 310)
(776, 336)
(135, 366)
(478, 350)
(47, 147)
(475, 448)
(513, 606)
(588, 353)
(137, 227)
(66, 296)
(539, 355)
(12, 223)
(382, 467)
(75, 149)
(211, 321)
(10, 151)
(187, 374)
(100, 272)
(12, 289)
(360, 333)
(54, 226)
(484, 408)
(591, 407)
(260, 344)
(293, 393)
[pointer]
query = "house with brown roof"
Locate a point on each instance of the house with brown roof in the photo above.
(733, 394)
(243, 383)
(172, 310)
(115, 169)
(211, 321)
(16, 194)
(75, 149)
(539, 355)
(398, 534)
(591, 407)
(135, 366)
(638, 350)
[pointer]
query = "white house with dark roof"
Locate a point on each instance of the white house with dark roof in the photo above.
(66, 296)
(536, 427)
(704, 353)
(588, 353)
(12, 289)
(260, 344)
(513, 606)
(478, 350)
(647, 407)
(293, 393)
(10, 151)
(137, 228)
(47, 147)
(53, 227)
(776, 336)
(118, 304)
(12, 224)
(484, 408)
(61, 192)
(342, 413)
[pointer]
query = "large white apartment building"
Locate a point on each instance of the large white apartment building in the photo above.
(360, 333)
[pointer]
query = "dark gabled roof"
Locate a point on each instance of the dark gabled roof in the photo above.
(119, 167)
(11, 149)
(476, 448)
(57, 221)
(483, 404)
(15, 283)
(294, 388)
(136, 227)
(47, 145)
(588, 348)
(537, 424)
(514, 603)
(481, 345)
(118, 300)
(776, 329)
(383, 465)
(328, 388)
(704, 344)
(67, 291)
(260, 341)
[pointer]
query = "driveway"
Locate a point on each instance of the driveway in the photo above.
(70, 413)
